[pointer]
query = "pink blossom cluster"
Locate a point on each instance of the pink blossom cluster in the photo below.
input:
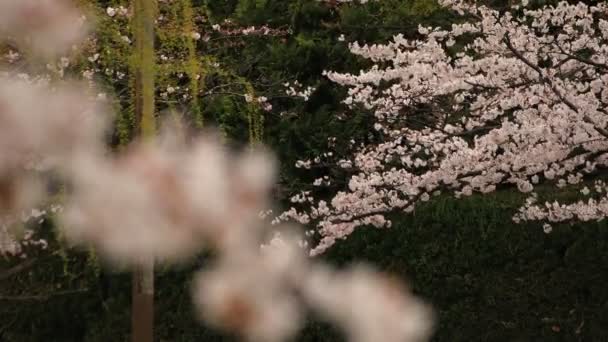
(119, 11)
(296, 89)
(229, 28)
(261, 100)
(15, 242)
(345, 1)
(515, 97)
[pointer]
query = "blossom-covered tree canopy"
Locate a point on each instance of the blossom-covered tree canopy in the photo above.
(516, 97)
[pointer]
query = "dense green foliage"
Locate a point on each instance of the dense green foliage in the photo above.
(487, 278)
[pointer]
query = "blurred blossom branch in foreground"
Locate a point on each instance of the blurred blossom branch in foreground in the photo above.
(167, 198)
(46, 27)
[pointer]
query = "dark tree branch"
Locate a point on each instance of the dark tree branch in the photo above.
(17, 269)
(43, 297)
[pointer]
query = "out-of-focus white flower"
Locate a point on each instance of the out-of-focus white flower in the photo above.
(369, 306)
(254, 176)
(245, 300)
(19, 191)
(175, 198)
(41, 128)
(111, 11)
(251, 291)
(46, 26)
(59, 122)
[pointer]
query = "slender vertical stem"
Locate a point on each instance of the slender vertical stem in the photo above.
(142, 314)
(193, 67)
(142, 311)
(144, 65)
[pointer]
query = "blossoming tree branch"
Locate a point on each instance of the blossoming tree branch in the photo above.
(503, 98)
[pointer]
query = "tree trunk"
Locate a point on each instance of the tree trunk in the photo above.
(142, 310)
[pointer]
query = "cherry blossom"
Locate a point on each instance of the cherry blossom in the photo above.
(509, 98)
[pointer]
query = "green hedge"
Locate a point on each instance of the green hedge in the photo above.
(487, 279)
(491, 280)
